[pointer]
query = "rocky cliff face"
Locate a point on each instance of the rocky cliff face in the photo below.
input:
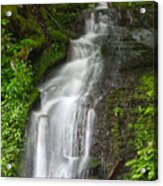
(129, 55)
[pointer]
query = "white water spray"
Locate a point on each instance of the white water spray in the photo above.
(64, 124)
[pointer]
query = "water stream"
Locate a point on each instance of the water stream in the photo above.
(59, 136)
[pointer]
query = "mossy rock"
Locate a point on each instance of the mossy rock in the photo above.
(47, 59)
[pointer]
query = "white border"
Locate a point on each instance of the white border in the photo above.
(58, 182)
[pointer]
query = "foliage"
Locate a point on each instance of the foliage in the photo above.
(144, 131)
(39, 41)
(118, 111)
(43, 32)
(47, 59)
(133, 132)
(18, 94)
(92, 163)
(130, 4)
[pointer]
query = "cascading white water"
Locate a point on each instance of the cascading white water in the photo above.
(102, 5)
(61, 131)
(41, 148)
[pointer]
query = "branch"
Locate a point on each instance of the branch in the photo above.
(114, 169)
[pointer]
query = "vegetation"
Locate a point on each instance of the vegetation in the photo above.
(136, 127)
(37, 43)
(133, 120)
(144, 134)
(18, 95)
(34, 39)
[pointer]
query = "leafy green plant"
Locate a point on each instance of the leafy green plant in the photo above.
(144, 131)
(17, 94)
(118, 111)
(145, 160)
(45, 38)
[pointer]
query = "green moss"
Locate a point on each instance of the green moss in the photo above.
(12, 8)
(31, 30)
(35, 94)
(133, 123)
(92, 163)
(118, 111)
(26, 27)
(47, 59)
(57, 36)
(44, 14)
(144, 132)
(133, 6)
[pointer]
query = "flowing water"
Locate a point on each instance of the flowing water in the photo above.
(59, 135)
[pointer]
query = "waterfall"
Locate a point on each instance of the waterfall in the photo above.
(60, 132)
(102, 5)
(40, 169)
